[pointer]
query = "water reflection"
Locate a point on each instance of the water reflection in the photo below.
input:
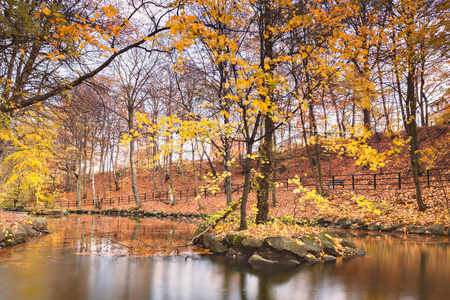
(46, 268)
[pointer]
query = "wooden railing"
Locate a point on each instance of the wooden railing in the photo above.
(380, 182)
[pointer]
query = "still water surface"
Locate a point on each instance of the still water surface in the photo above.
(75, 262)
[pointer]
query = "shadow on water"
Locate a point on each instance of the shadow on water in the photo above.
(84, 259)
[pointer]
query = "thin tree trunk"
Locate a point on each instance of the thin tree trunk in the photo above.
(246, 188)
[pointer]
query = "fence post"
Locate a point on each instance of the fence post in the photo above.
(128, 199)
(145, 196)
(187, 194)
(353, 181)
(332, 178)
(374, 181)
(110, 201)
(287, 184)
(428, 178)
(118, 200)
(205, 193)
(399, 181)
(180, 194)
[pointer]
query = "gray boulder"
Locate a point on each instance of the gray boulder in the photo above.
(3, 234)
(328, 246)
(311, 259)
(282, 243)
(347, 243)
(311, 246)
(374, 227)
(218, 248)
(213, 244)
(354, 252)
(419, 230)
(410, 228)
(327, 257)
(30, 231)
(386, 228)
(251, 245)
(437, 229)
(271, 254)
(9, 239)
(234, 239)
(39, 224)
(398, 225)
(20, 235)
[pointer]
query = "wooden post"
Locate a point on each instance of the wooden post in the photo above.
(187, 194)
(399, 181)
(128, 199)
(332, 179)
(353, 181)
(374, 181)
(180, 194)
(428, 178)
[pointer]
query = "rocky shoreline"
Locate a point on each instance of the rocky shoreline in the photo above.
(279, 250)
(340, 223)
(30, 228)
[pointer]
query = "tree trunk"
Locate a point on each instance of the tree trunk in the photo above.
(227, 167)
(134, 183)
(274, 173)
(411, 128)
(246, 188)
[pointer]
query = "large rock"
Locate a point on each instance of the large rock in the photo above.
(347, 243)
(282, 243)
(218, 248)
(39, 224)
(20, 235)
(234, 239)
(251, 245)
(354, 252)
(213, 244)
(311, 246)
(410, 228)
(9, 239)
(280, 257)
(374, 227)
(437, 229)
(30, 231)
(398, 225)
(386, 228)
(3, 234)
(328, 246)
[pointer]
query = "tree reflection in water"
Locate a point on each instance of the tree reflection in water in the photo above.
(396, 266)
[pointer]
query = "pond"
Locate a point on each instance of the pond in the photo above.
(85, 258)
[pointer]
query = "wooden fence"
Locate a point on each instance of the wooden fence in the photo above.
(380, 181)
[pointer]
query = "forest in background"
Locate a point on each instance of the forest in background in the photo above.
(104, 91)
